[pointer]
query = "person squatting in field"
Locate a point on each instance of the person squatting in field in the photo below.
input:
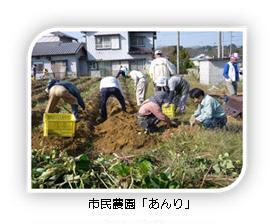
(140, 83)
(150, 113)
(209, 112)
(110, 86)
(68, 92)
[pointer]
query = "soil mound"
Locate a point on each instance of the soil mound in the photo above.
(121, 133)
(80, 143)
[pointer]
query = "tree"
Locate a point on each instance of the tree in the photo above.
(184, 61)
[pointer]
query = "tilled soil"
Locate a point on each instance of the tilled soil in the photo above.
(118, 134)
(80, 143)
(83, 139)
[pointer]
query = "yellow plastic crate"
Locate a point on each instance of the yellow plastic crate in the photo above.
(169, 111)
(59, 124)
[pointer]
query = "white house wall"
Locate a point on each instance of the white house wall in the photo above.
(216, 72)
(211, 72)
(204, 72)
(113, 54)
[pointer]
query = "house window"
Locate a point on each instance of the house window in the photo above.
(103, 42)
(137, 41)
(93, 66)
(108, 42)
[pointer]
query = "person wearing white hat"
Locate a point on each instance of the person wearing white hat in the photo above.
(161, 66)
(231, 74)
(236, 55)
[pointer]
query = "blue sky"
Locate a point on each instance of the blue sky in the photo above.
(188, 39)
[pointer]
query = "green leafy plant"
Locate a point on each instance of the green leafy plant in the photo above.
(224, 165)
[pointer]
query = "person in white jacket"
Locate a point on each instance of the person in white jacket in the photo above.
(140, 83)
(110, 86)
(161, 66)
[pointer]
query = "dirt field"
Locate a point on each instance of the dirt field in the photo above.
(119, 133)
(121, 155)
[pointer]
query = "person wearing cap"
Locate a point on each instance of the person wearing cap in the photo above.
(209, 113)
(231, 74)
(161, 66)
(68, 92)
(110, 86)
(178, 92)
(150, 113)
(140, 83)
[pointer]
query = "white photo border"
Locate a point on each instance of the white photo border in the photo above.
(164, 29)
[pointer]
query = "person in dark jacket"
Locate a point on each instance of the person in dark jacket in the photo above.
(34, 71)
(68, 92)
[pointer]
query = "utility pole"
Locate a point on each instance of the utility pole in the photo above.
(219, 45)
(177, 52)
(230, 51)
(222, 45)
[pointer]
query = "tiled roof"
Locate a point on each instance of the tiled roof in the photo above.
(56, 48)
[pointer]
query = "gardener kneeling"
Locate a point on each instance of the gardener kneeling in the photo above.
(150, 113)
(209, 113)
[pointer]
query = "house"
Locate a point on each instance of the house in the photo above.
(107, 51)
(61, 54)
